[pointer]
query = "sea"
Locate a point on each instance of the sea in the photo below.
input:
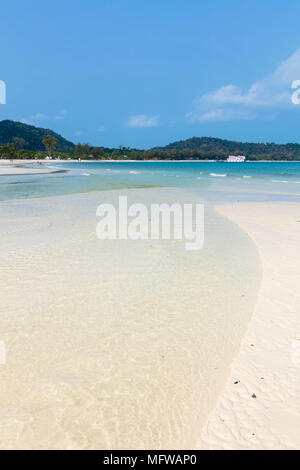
(214, 181)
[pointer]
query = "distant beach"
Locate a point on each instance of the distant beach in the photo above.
(20, 168)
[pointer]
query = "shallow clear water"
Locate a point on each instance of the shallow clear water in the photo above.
(217, 181)
(116, 344)
(144, 334)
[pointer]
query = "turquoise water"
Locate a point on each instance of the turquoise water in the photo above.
(216, 181)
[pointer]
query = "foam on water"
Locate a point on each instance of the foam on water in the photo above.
(218, 174)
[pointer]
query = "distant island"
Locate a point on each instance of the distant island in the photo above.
(23, 141)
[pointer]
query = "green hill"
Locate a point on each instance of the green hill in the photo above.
(32, 135)
(199, 148)
(220, 147)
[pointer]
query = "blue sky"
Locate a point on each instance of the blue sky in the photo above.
(145, 73)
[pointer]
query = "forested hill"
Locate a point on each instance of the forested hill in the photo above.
(32, 135)
(253, 151)
(196, 148)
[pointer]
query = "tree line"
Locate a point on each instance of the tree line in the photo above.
(83, 151)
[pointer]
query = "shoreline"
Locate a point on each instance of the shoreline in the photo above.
(14, 169)
(259, 407)
(17, 163)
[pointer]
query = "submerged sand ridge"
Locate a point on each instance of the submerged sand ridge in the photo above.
(115, 345)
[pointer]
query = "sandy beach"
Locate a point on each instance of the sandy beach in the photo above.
(115, 345)
(197, 351)
(260, 406)
(150, 229)
(18, 168)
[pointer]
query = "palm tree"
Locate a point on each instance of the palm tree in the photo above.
(50, 143)
(19, 142)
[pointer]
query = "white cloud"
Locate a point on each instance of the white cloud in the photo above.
(33, 120)
(61, 115)
(142, 120)
(221, 114)
(100, 129)
(39, 117)
(231, 102)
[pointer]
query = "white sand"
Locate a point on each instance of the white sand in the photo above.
(72, 381)
(115, 344)
(11, 169)
(268, 364)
